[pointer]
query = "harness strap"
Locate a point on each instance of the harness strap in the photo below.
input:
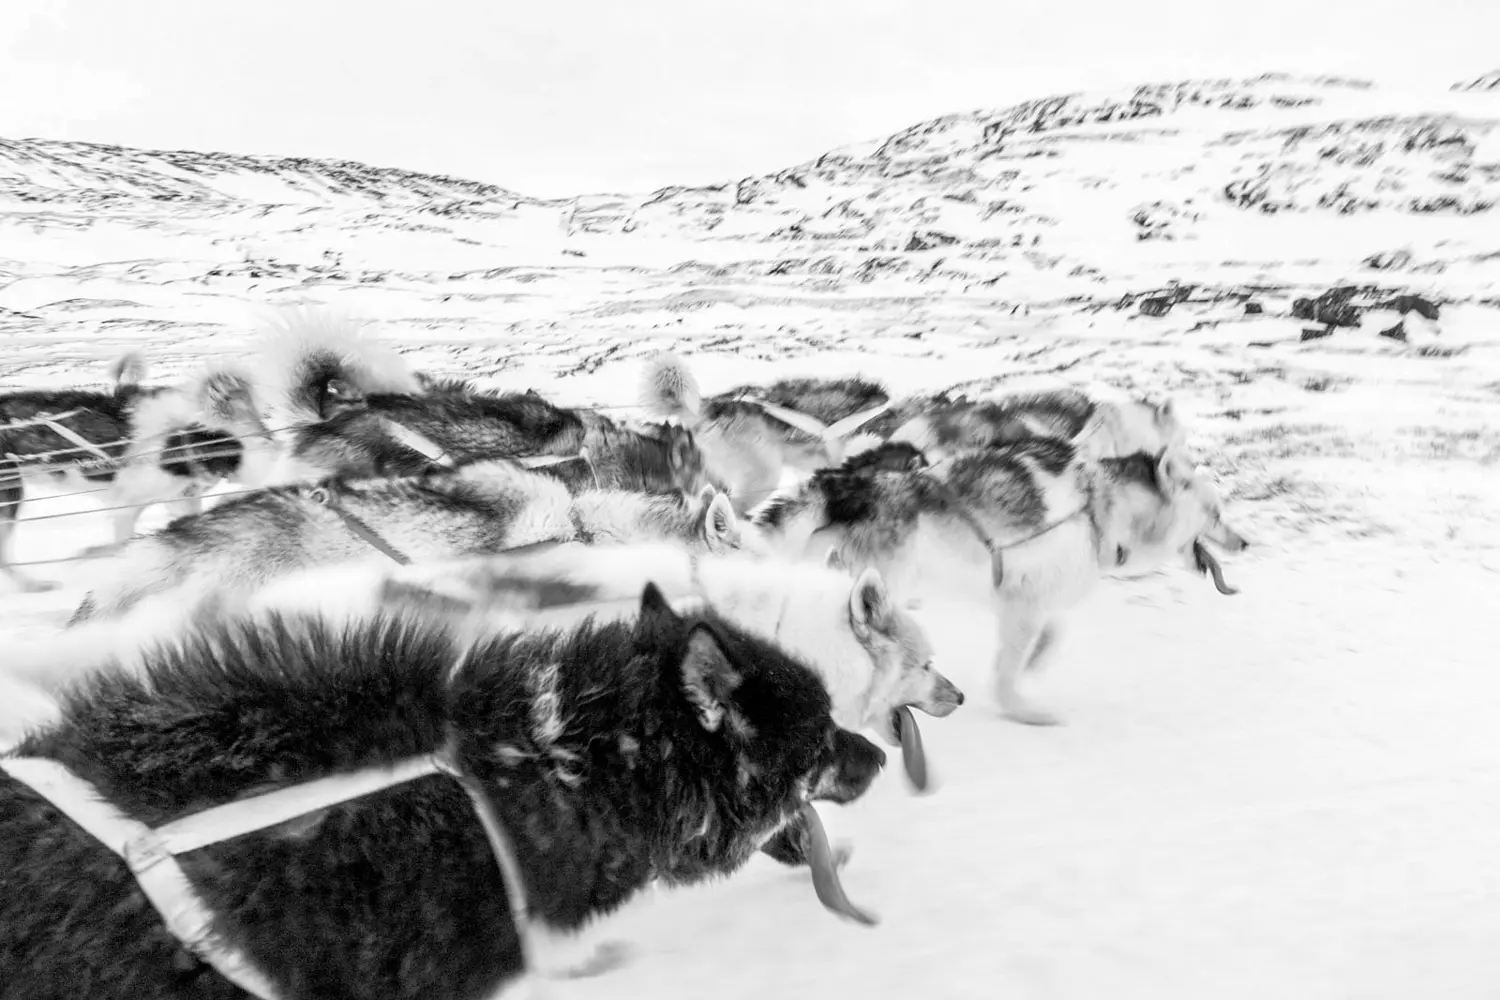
(997, 551)
(547, 461)
(54, 424)
(259, 812)
(150, 861)
(41, 421)
(961, 509)
(151, 854)
(831, 435)
(418, 443)
(325, 496)
(501, 847)
(843, 428)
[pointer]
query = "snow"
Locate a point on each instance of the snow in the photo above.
(1292, 792)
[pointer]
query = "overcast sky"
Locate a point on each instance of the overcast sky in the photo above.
(558, 97)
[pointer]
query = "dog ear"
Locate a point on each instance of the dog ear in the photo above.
(870, 606)
(654, 607)
(833, 560)
(706, 495)
(719, 524)
(708, 678)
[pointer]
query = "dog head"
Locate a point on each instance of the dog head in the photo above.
(1150, 425)
(760, 713)
(1158, 512)
(899, 653)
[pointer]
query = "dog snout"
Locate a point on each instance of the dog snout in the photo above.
(945, 697)
(856, 763)
(1228, 539)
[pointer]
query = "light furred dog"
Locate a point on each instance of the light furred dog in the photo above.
(1099, 427)
(871, 653)
(873, 657)
(134, 444)
(1027, 527)
(750, 435)
(486, 506)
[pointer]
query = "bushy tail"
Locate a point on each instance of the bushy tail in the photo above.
(668, 389)
(308, 356)
(128, 370)
(226, 396)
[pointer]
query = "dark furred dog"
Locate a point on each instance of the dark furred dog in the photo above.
(669, 748)
(358, 440)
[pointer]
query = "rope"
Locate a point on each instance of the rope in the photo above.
(125, 506)
(60, 467)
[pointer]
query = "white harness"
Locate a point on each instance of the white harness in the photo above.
(831, 435)
(151, 854)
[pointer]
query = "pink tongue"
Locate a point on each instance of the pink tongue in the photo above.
(912, 754)
(825, 872)
(1208, 564)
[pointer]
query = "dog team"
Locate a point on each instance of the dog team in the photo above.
(455, 672)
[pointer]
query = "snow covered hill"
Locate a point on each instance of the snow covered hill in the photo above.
(1212, 193)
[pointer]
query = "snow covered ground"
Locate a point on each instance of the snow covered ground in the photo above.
(1291, 793)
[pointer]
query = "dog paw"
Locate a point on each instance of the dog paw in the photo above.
(1032, 715)
(609, 956)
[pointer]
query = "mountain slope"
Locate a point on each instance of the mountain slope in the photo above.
(1214, 201)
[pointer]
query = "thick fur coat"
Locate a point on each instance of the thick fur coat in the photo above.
(669, 748)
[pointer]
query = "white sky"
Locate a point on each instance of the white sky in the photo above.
(560, 97)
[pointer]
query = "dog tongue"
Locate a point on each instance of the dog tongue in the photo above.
(1208, 564)
(825, 871)
(912, 754)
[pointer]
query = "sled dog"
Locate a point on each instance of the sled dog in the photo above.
(1098, 427)
(485, 506)
(351, 420)
(751, 435)
(487, 788)
(1027, 526)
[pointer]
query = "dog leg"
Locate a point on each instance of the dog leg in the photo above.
(136, 488)
(12, 493)
(579, 954)
(1041, 652)
(1022, 632)
(188, 506)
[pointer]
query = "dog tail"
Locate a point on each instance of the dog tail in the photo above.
(311, 357)
(670, 390)
(226, 396)
(128, 370)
